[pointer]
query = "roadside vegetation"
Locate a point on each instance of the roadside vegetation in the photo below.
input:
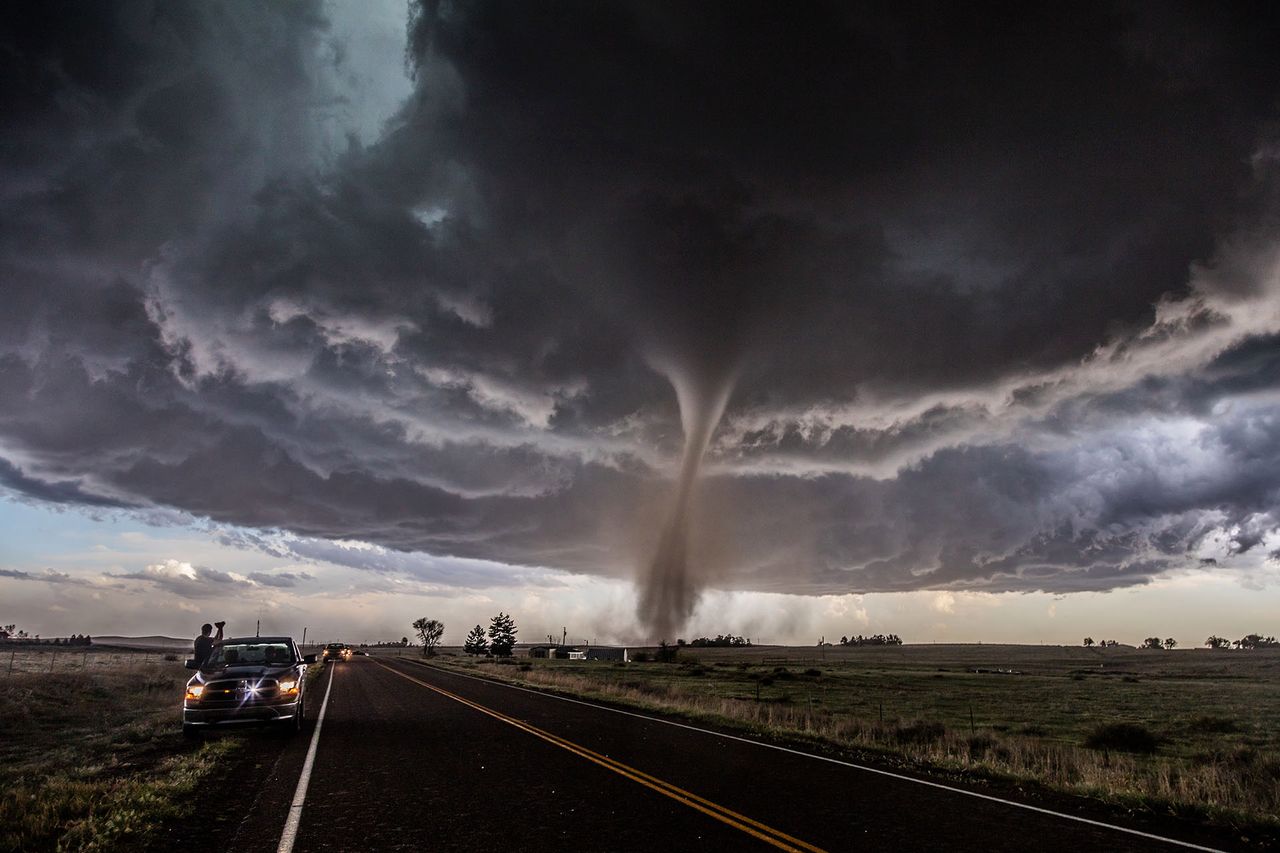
(91, 753)
(1194, 734)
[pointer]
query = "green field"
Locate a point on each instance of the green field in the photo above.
(91, 751)
(1203, 735)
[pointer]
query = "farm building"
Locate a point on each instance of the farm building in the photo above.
(560, 652)
(608, 653)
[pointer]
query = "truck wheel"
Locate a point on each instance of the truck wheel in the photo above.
(292, 726)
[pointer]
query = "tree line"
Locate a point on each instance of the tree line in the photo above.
(13, 634)
(720, 641)
(873, 640)
(1249, 641)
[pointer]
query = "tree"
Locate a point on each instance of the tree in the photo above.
(475, 643)
(1170, 643)
(502, 635)
(404, 641)
(430, 630)
(1088, 641)
(1216, 642)
(1152, 643)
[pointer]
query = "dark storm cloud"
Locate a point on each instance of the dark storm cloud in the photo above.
(60, 492)
(280, 580)
(991, 296)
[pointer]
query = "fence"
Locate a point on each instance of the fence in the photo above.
(54, 659)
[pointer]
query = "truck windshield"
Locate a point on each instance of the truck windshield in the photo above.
(250, 654)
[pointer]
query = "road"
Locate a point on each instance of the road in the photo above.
(410, 757)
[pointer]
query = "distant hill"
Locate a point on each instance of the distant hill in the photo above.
(152, 642)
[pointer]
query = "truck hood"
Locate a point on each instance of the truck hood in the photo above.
(247, 671)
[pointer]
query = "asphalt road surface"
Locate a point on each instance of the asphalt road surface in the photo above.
(413, 758)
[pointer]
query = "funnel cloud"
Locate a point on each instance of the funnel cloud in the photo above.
(669, 589)
(948, 301)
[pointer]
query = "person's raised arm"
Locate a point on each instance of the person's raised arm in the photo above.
(219, 626)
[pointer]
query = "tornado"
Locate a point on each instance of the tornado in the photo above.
(670, 583)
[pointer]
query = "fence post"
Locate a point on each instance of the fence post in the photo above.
(54, 659)
(84, 663)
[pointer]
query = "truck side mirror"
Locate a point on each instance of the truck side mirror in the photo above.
(192, 664)
(308, 658)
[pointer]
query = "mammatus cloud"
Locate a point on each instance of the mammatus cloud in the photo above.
(899, 299)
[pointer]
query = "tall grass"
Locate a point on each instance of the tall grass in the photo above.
(94, 760)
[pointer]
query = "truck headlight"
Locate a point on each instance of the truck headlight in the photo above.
(194, 691)
(289, 687)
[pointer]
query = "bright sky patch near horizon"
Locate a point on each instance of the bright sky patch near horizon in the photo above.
(346, 314)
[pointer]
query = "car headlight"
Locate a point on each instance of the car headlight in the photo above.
(289, 687)
(194, 691)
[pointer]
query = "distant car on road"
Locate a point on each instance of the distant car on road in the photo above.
(247, 680)
(336, 651)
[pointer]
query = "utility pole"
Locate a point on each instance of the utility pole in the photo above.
(304, 635)
(257, 629)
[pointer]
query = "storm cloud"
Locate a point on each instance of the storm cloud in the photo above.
(960, 300)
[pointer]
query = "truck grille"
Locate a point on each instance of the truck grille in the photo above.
(239, 690)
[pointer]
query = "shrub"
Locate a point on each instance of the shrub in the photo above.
(813, 673)
(641, 657)
(920, 732)
(1123, 737)
(979, 745)
(1213, 725)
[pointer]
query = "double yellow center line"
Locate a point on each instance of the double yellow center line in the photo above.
(754, 828)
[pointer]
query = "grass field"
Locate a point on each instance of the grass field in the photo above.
(91, 752)
(1195, 733)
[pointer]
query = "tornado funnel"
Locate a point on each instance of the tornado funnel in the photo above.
(671, 583)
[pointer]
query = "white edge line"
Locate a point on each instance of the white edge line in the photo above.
(1186, 844)
(300, 795)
